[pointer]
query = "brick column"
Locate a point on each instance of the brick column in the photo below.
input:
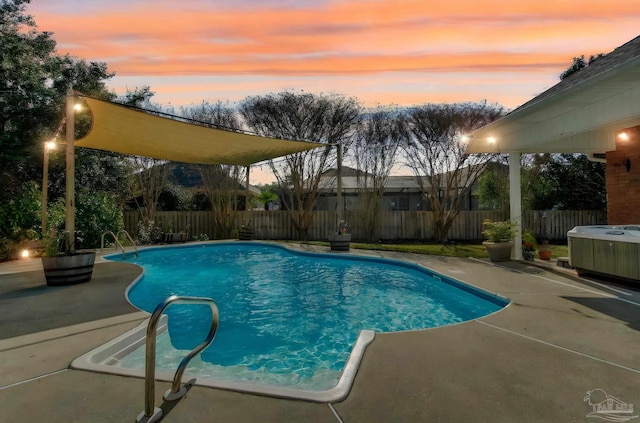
(623, 179)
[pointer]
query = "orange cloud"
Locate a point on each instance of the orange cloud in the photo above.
(338, 37)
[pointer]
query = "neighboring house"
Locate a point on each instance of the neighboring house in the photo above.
(188, 176)
(400, 192)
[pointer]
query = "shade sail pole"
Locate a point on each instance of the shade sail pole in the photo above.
(339, 200)
(246, 205)
(70, 202)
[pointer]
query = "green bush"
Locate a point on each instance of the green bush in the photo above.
(148, 233)
(96, 213)
(19, 219)
(22, 211)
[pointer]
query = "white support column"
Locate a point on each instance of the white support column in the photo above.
(70, 203)
(515, 201)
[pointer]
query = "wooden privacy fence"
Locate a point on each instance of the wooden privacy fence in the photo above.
(392, 225)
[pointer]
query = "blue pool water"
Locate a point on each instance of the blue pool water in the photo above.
(287, 318)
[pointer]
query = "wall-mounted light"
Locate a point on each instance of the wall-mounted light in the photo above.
(623, 136)
(626, 163)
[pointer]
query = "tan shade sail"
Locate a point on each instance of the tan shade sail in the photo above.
(128, 131)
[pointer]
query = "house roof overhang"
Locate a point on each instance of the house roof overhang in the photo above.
(575, 116)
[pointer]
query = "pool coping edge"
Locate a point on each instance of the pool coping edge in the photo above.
(94, 361)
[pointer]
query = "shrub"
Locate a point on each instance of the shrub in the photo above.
(22, 210)
(148, 233)
(96, 213)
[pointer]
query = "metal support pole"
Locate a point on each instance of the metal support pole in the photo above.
(247, 201)
(515, 202)
(340, 205)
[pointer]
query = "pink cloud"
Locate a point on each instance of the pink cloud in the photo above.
(360, 39)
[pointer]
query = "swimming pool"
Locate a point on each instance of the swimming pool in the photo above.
(289, 319)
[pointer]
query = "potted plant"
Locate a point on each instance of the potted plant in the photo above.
(499, 239)
(544, 252)
(529, 245)
(62, 265)
(341, 240)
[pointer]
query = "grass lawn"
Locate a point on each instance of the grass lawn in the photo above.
(450, 250)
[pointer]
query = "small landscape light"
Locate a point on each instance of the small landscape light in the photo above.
(25, 253)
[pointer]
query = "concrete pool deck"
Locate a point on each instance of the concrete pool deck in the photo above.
(535, 360)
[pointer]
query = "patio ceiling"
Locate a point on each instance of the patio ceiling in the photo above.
(129, 131)
(581, 114)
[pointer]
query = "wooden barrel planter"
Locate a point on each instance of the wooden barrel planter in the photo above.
(69, 269)
(245, 234)
(340, 242)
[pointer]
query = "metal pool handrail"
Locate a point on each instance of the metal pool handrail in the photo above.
(133, 243)
(151, 413)
(115, 238)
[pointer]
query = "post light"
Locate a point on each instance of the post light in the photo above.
(48, 146)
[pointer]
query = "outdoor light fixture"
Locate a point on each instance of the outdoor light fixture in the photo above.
(25, 253)
(464, 139)
(77, 107)
(623, 136)
(626, 163)
(491, 140)
(48, 146)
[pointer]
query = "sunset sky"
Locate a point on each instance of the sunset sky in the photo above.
(382, 52)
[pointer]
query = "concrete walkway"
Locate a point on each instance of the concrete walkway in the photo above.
(533, 361)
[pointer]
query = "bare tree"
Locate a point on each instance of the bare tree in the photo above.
(436, 152)
(148, 180)
(221, 182)
(150, 175)
(327, 119)
(375, 150)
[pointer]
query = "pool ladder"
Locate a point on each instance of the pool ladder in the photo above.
(118, 244)
(151, 413)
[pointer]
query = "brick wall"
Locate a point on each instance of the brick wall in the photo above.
(623, 186)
